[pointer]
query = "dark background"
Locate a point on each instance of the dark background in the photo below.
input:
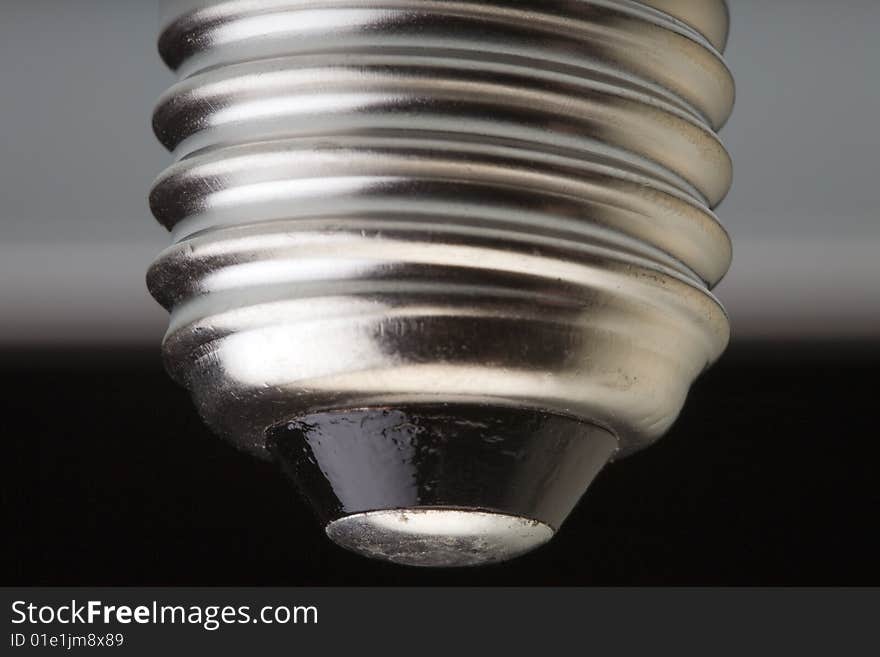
(769, 477)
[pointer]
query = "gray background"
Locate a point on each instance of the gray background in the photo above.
(79, 79)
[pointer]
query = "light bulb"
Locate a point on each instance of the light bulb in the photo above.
(442, 260)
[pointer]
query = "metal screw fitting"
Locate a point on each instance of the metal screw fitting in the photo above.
(442, 260)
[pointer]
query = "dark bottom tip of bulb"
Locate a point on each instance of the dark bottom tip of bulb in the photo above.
(441, 485)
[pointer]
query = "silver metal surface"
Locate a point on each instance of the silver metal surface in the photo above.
(438, 537)
(390, 202)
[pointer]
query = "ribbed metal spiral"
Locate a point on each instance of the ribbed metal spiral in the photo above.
(378, 203)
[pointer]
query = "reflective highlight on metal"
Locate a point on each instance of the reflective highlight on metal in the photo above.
(448, 215)
(438, 537)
